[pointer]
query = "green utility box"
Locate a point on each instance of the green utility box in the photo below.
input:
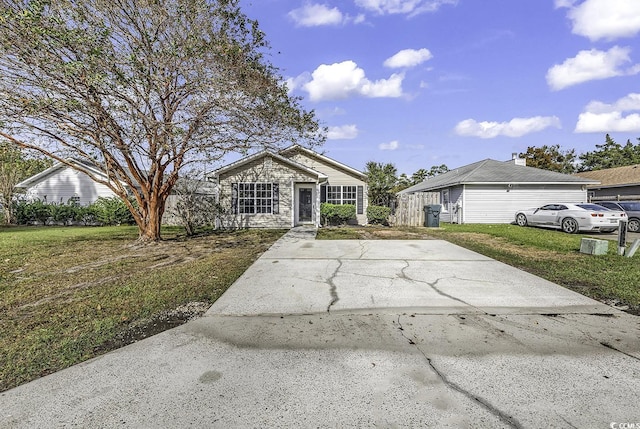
(432, 215)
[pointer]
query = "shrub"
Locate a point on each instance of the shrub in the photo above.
(111, 211)
(333, 214)
(84, 215)
(378, 215)
(32, 211)
(63, 213)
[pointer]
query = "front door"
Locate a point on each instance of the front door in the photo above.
(305, 205)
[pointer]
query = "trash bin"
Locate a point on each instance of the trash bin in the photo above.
(432, 215)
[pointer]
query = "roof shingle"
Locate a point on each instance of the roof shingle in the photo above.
(492, 171)
(627, 175)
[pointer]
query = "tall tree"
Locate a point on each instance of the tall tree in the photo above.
(403, 182)
(437, 169)
(610, 155)
(419, 176)
(15, 166)
(422, 174)
(551, 158)
(381, 180)
(142, 88)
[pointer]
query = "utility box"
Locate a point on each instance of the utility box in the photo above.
(432, 215)
(591, 246)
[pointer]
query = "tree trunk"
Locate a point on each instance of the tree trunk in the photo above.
(150, 221)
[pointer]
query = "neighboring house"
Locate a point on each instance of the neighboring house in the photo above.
(492, 191)
(60, 183)
(618, 183)
(285, 189)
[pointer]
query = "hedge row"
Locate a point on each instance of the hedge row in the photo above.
(105, 211)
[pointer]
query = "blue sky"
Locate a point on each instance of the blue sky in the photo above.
(419, 83)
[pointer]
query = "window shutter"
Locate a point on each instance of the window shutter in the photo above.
(234, 198)
(323, 193)
(276, 198)
(360, 199)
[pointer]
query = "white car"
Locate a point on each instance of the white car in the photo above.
(572, 217)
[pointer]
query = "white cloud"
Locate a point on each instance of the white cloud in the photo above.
(564, 3)
(294, 83)
(408, 58)
(607, 122)
(346, 79)
(600, 117)
(517, 127)
(603, 19)
(392, 145)
(313, 15)
(406, 7)
(627, 103)
(359, 19)
(343, 132)
(590, 65)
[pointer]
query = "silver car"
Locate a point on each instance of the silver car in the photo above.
(632, 208)
(572, 217)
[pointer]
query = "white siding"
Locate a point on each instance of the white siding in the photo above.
(498, 203)
(66, 183)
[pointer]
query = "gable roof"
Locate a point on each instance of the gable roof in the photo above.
(490, 171)
(36, 178)
(619, 176)
(297, 148)
(262, 154)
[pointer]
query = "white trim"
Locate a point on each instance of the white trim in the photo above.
(296, 203)
(326, 159)
(464, 204)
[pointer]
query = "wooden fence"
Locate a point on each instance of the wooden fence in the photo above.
(410, 208)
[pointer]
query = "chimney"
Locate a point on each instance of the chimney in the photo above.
(518, 161)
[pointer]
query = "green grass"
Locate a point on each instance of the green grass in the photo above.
(67, 293)
(550, 254)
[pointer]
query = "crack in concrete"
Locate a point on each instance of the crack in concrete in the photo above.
(433, 286)
(333, 289)
(505, 418)
(566, 421)
(609, 346)
(363, 249)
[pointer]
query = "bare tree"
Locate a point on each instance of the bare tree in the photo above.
(142, 88)
(195, 202)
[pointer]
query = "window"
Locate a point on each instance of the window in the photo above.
(342, 194)
(252, 198)
(445, 200)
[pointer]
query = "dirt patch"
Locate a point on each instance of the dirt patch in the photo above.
(160, 322)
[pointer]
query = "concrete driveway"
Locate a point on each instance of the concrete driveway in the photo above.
(362, 334)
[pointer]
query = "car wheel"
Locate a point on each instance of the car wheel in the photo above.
(633, 225)
(521, 219)
(570, 225)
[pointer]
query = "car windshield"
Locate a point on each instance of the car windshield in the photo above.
(593, 207)
(632, 207)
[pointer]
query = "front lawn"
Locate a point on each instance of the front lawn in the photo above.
(68, 294)
(552, 255)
